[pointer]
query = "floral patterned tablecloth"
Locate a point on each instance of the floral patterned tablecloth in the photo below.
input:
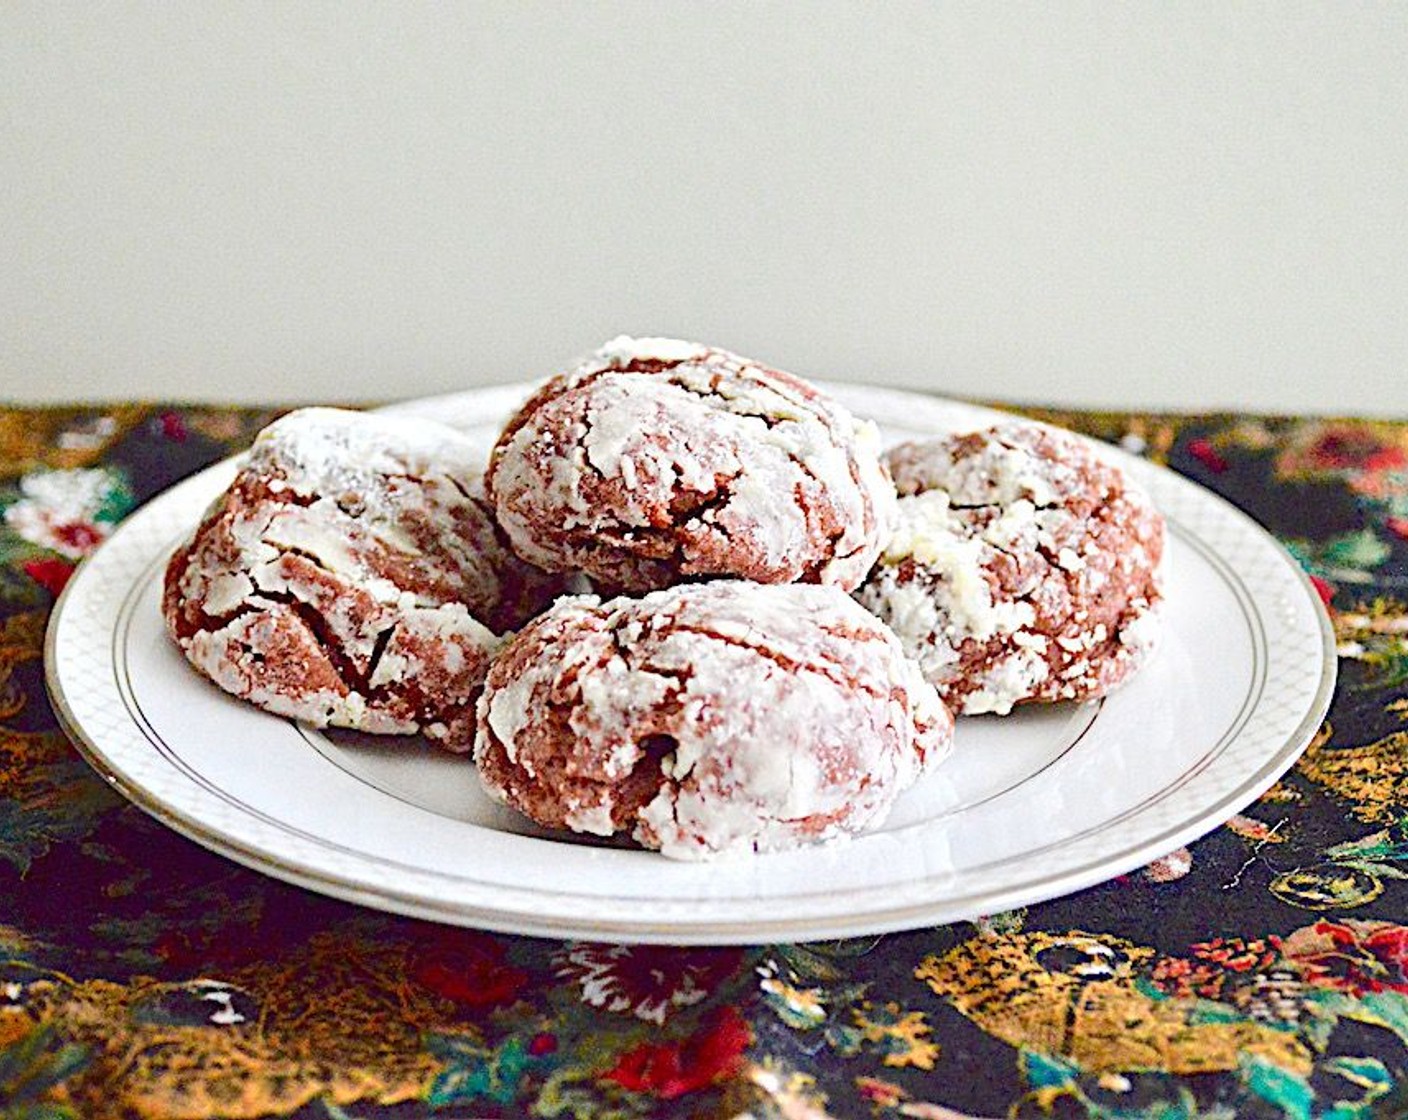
(1262, 972)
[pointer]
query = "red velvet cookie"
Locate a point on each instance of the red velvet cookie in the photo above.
(659, 460)
(352, 575)
(1025, 567)
(707, 718)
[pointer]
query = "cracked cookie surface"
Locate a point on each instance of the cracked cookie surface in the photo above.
(352, 575)
(1024, 568)
(708, 718)
(659, 460)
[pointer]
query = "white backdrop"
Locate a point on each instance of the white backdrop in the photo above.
(1182, 204)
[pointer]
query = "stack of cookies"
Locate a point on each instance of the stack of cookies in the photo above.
(781, 616)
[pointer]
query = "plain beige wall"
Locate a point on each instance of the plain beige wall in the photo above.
(1175, 204)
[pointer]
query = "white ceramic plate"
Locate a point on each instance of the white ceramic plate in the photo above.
(1030, 806)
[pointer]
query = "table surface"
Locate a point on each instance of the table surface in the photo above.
(1261, 972)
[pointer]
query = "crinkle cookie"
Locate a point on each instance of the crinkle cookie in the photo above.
(708, 718)
(1024, 567)
(352, 575)
(658, 460)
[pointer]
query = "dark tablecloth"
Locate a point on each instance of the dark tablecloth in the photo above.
(1263, 972)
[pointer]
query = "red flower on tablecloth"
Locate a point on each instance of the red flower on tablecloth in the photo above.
(70, 512)
(1183, 979)
(1214, 964)
(672, 1069)
(1383, 484)
(1169, 868)
(881, 1093)
(648, 981)
(1324, 588)
(1353, 956)
(51, 573)
(1207, 454)
(470, 968)
(173, 427)
(1238, 955)
(1340, 446)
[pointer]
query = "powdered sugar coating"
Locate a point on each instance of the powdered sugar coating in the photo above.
(708, 718)
(1024, 567)
(352, 575)
(659, 459)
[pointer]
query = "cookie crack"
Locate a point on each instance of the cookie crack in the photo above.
(996, 507)
(812, 572)
(628, 651)
(322, 634)
(383, 639)
(739, 405)
(822, 669)
(204, 623)
(302, 553)
(682, 506)
(286, 495)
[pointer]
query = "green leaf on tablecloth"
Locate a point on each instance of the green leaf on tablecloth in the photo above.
(805, 1005)
(116, 502)
(1046, 1071)
(1149, 990)
(808, 964)
(1375, 870)
(1369, 1074)
(473, 1070)
(1002, 922)
(1278, 1086)
(1317, 1027)
(17, 587)
(1381, 845)
(1351, 557)
(843, 1039)
(573, 1093)
(1383, 1009)
(28, 829)
(801, 1007)
(33, 1064)
(1206, 1011)
(1325, 1008)
(197, 915)
(1360, 550)
(44, 1111)
(1185, 1107)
